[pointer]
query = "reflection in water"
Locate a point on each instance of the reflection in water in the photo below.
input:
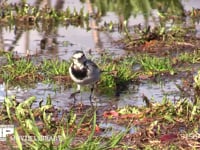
(41, 91)
(1, 39)
(128, 12)
(93, 26)
(154, 91)
(127, 8)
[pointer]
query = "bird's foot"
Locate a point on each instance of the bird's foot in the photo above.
(91, 101)
(74, 94)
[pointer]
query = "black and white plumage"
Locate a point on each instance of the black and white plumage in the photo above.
(83, 72)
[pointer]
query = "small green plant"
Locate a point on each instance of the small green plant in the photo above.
(53, 67)
(39, 121)
(155, 64)
(190, 57)
(18, 70)
(117, 72)
(197, 88)
(28, 14)
(162, 122)
(197, 80)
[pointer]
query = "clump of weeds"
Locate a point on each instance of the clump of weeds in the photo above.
(162, 39)
(19, 70)
(55, 69)
(197, 88)
(30, 70)
(160, 125)
(190, 57)
(117, 73)
(155, 64)
(47, 127)
(30, 15)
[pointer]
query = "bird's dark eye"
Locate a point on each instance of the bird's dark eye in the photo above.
(81, 57)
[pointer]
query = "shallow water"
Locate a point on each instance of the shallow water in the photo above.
(60, 95)
(63, 41)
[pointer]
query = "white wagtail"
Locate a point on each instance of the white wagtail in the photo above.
(83, 72)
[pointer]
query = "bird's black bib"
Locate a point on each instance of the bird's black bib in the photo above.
(79, 73)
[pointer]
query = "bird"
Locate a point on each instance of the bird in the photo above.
(83, 71)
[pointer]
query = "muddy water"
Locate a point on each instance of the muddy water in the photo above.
(62, 42)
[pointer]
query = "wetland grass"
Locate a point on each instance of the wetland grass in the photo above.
(162, 125)
(155, 64)
(54, 68)
(63, 131)
(159, 123)
(18, 70)
(165, 125)
(118, 72)
(23, 13)
(189, 57)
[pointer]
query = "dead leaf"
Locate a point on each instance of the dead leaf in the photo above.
(168, 137)
(146, 76)
(97, 129)
(111, 113)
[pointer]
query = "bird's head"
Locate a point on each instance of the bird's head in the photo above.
(79, 57)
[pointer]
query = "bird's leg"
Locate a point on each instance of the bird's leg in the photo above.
(92, 90)
(73, 95)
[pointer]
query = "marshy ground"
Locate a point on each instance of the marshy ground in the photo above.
(36, 83)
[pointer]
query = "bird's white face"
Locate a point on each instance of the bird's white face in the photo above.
(79, 57)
